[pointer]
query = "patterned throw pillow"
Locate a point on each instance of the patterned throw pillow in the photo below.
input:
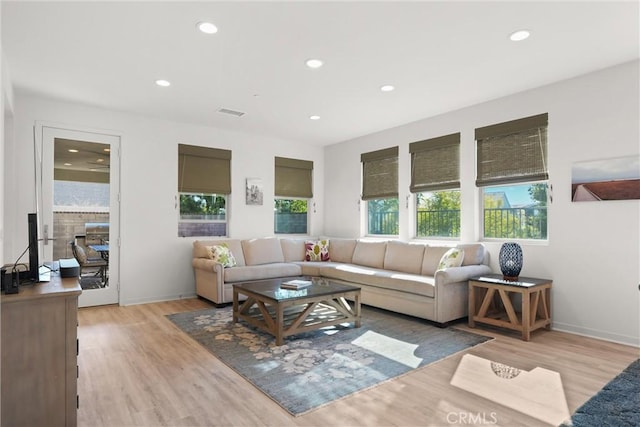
(317, 251)
(452, 258)
(222, 255)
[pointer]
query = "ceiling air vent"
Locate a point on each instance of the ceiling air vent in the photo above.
(231, 112)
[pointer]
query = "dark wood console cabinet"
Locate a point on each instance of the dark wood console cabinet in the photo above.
(39, 354)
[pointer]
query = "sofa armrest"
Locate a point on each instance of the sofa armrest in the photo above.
(460, 274)
(207, 264)
(209, 277)
(451, 290)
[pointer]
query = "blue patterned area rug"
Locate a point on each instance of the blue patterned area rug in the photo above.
(617, 404)
(318, 367)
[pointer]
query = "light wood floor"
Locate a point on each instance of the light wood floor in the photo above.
(138, 369)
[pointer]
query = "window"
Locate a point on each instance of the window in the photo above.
(203, 215)
(204, 182)
(438, 214)
(382, 216)
(512, 173)
(515, 211)
(435, 179)
(380, 190)
(291, 216)
(293, 189)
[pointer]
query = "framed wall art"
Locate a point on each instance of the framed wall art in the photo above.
(255, 192)
(607, 179)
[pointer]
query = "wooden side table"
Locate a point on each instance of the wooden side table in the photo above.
(491, 302)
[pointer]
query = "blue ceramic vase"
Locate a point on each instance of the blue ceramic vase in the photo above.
(510, 260)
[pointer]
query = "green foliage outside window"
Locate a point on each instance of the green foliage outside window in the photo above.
(520, 221)
(438, 214)
(383, 216)
(291, 205)
(202, 206)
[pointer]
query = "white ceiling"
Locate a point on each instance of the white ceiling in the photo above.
(441, 56)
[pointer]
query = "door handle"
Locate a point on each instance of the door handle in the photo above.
(46, 237)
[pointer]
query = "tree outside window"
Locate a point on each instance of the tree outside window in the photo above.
(438, 214)
(383, 216)
(202, 215)
(515, 211)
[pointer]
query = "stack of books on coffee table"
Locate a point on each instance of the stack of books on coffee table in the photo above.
(296, 284)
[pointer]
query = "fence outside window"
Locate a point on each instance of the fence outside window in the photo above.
(511, 223)
(516, 223)
(441, 223)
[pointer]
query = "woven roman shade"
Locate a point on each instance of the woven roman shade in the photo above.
(293, 178)
(435, 164)
(380, 174)
(512, 152)
(204, 170)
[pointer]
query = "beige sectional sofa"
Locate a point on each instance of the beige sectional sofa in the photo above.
(397, 276)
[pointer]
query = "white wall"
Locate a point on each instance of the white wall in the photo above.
(6, 135)
(155, 264)
(593, 252)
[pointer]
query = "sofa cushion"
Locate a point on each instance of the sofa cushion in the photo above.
(341, 250)
(259, 272)
(452, 258)
(316, 250)
(292, 249)
(223, 255)
(315, 268)
(370, 254)
(262, 251)
(358, 274)
(201, 249)
(473, 253)
(432, 257)
(405, 257)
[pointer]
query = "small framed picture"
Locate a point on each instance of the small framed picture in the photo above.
(255, 193)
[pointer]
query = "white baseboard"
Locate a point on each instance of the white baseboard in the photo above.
(597, 334)
(157, 299)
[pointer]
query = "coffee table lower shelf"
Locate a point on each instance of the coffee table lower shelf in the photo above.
(284, 318)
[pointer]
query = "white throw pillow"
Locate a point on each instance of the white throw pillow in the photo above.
(452, 258)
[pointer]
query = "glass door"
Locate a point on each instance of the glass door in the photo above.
(78, 206)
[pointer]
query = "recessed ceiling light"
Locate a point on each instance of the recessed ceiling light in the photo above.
(99, 160)
(163, 83)
(314, 117)
(387, 88)
(520, 35)
(314, 63)
(231, 112)
(207, 27)
(67, 164)
(73, 150)
(106, 150)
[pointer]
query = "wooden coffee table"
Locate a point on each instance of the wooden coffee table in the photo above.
(284, 312)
